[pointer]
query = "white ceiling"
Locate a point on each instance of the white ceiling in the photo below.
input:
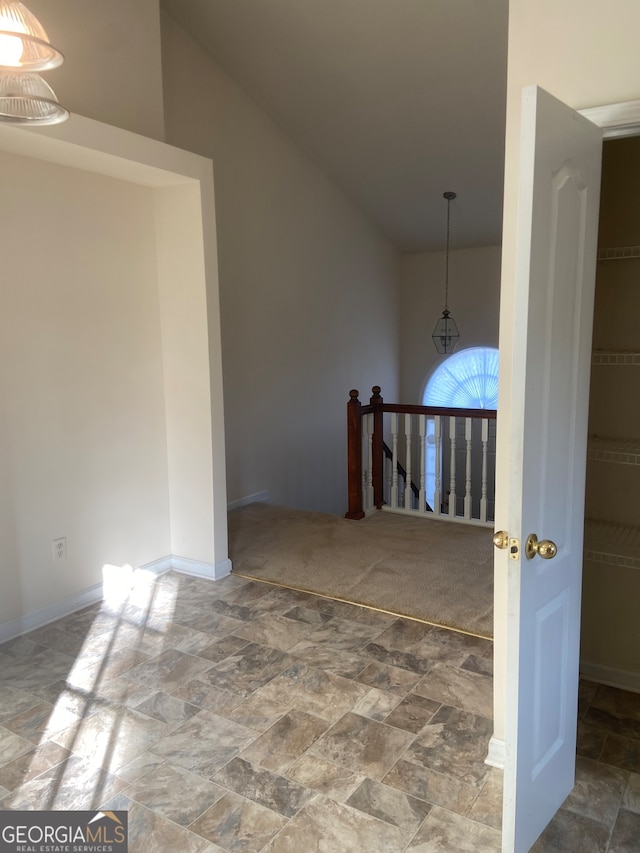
(396, 100)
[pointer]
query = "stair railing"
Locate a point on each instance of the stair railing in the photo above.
(401, 474)
(438, 462)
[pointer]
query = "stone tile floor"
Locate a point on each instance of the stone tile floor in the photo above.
(236, 716)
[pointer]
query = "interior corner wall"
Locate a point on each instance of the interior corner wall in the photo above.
(308, 289)
(586, 55)
(83, 450)
(112, 70)
(474, 299)
(188, 377)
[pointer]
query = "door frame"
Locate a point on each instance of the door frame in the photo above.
(616, 120)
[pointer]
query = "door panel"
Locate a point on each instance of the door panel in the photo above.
(555, 274)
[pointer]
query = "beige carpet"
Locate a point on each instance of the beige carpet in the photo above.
(435, 571)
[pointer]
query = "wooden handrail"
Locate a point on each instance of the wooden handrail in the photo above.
(489, 414)
(377, 407)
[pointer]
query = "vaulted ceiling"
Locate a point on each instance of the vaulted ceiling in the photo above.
(397, 101)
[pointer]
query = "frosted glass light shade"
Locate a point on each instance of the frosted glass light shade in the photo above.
(28, 99)
(24, 44)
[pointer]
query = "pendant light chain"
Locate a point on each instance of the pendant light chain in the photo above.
(446, 335)
(449, 197)
(446, 263)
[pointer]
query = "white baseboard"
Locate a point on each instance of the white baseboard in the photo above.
(199, 569)
(496, 753)
(259, 497)
(159, 567)
(222, 569)
(611, 677)
(38, 618)
(94, 594)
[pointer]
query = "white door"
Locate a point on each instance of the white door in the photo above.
(555, 272)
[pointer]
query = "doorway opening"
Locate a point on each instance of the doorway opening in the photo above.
(611, 582)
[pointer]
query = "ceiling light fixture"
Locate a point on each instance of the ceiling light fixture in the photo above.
(25, 98)
(446, 335)
(28, 99)
(24, 44)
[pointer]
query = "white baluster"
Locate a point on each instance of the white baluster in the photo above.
(467, 493)
(485, 443)
(422, 495)
(369, 434)
(452, 472)
(386, 496)
(394, 460)
(437, 494)
(407, 484)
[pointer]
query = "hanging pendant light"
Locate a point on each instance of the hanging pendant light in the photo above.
(24, 44)
(25, 98)
(446, 335)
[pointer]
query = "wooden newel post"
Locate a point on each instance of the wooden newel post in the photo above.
(376, 448)
(354, 456)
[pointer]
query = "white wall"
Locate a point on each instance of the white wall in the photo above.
(308, 289)
(83, 450)
(586, 55)
(111, 417)
(474, 297)
(112, 70)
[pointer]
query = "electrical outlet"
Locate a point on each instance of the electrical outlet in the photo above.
(59, 549)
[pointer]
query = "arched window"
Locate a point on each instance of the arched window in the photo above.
(466, 380)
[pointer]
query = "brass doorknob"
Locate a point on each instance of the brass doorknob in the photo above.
(544, 548)
(501, 539)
